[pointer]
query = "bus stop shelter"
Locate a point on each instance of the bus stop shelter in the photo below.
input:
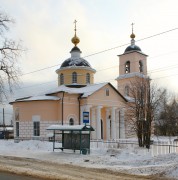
(75, 137)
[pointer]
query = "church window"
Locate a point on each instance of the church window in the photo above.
(126, 90)
(61, 79)
(17, 114)
(36, 125)
(71, 121)
(74, 77)
(36, 128)
(17, 129)
(127, 67)
(107, 92)
(88, 78)
(140, 66)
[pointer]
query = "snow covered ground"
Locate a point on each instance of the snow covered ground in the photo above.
(132, 160)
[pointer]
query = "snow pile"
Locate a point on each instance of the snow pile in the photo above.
(133, 160)
(8, 147)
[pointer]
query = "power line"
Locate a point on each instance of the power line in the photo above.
(110, 80)
(40, 69)
(95, 54)
(158, 34)
(152, 71)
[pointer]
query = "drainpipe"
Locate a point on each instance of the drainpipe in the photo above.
(63, 108)
(79, 107)
(62, 118)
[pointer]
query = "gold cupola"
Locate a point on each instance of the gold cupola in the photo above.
(132, 47)
(75, 40)
(75, 71)
(132, 36)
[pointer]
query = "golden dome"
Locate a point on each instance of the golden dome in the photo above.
(132, 36)
(75, 40)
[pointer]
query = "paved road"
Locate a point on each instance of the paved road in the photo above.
(8, 176)
(51, 171)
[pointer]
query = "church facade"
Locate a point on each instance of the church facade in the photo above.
(77, 93)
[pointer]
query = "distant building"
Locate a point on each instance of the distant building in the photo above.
(77, 93)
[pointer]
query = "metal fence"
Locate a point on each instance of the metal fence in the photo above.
(164, 147)
(157, 148)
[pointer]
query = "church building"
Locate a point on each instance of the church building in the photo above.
(77, 93)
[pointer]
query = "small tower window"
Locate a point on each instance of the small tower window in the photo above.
(74, 77)
(61, 79)
(71, 121)
(127, 67)
(107, 92)
(88, 78)
(140, 66)
(126, 90)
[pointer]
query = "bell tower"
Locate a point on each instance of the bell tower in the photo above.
(132, 64)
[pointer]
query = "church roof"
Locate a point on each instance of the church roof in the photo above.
(36, 98)
(132, 48)
(75, 61)
(85, 91)
(80, 62)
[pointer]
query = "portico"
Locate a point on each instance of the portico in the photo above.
(108, 122)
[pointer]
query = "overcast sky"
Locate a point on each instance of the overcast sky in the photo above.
(46, 28)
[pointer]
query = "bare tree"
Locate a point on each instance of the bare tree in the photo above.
(9, 53)
(143, 108)
(167, 123)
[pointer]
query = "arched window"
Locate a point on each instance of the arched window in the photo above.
(71, 121)
(127, 67)
(17, 114)
(88, 78)
(61, 79)
(107, 92)
(126, 90)
(74, 77)
(140, 66)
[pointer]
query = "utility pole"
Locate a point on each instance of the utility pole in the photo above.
(3, 121)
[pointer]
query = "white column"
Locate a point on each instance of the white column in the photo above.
(93, 122)
(117, 124)
(113, 123)
(122, 124)
(98, 123)
(108, 130)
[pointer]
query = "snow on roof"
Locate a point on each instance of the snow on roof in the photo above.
(134, 74)
(38, 98)
(6, 128)
(130, 99)
(69, 127)
(86, 91)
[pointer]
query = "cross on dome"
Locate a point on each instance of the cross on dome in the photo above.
(75, 40)
(132, 35)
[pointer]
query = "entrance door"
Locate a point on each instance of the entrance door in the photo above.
(101, 129)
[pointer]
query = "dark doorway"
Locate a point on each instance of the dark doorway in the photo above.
(101, 129)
